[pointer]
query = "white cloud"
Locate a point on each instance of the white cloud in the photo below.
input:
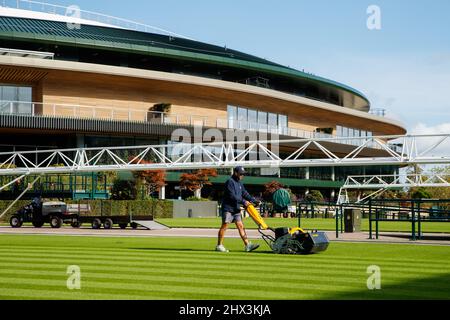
(421, 128)
(413, 88)
(423, 143)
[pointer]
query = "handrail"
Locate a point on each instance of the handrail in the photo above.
(49, 8)
(167, 118)
(378, 112)
(36, 54)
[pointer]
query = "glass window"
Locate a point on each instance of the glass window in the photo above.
(345, 132)
(24, 94)
(232, 112)
(356, 133)
(252, 116)
(351, 132)
(9, 93)
(242, 119)
(273, 120)
(282, 121)
(339, 131)
(232, 117)
(253, 119)
(242, 114)
(262, 117)
(15, 99)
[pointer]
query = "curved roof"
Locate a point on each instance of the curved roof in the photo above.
(160, 45)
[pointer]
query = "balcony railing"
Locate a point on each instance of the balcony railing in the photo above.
(75, 12)
(378, 112)
(139, 115)
(26, 53)
(38, 109)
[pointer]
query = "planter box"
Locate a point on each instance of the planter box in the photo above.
(195, 209)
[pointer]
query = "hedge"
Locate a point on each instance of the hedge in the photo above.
(156, 208)
(4, 204)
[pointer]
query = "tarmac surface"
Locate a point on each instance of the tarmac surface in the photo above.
(385, 237)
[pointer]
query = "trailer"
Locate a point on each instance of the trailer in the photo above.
(108, 222)
(59, 213)
(84, 215)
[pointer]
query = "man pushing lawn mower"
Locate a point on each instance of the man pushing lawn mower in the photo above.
(234, 197)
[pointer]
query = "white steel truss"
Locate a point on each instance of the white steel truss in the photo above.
(408, 150)
(380, 183)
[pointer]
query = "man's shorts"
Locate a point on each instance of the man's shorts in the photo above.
(228, 217)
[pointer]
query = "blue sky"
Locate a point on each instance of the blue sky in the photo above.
(404, 67)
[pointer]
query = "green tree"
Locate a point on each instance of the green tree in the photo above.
(270, 188)
(124, 190)
(314, 196)
(421, 193)
(441, 192)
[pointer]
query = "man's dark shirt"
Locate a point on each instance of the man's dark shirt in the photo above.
(235, 196)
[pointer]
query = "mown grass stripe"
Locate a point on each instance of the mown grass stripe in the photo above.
(187, 264)
(313, 270)
(444, 260)
(301, 278)
(194, 284)
(180, 263)
(216, 259)
(210, 292)
(217, 256)
(163, 277)
(167, 287)
(186, 268)
(142, 272)
(231, 292)
(50, 292)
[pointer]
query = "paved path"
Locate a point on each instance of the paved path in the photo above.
(429, 239)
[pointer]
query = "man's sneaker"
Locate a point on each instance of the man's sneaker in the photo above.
(251, 247)
(221, 248)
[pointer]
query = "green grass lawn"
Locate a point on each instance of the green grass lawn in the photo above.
(320, 224)
(34, 267)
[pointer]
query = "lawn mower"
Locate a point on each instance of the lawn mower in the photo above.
(289, 240)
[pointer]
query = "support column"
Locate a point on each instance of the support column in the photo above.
(162, 193)
(162, 190)
(333, 178)
(307, 175)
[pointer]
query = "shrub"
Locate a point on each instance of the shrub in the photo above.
(123, 190)
(156, 208)
(314, 196)
(421, 193)
(196, 199)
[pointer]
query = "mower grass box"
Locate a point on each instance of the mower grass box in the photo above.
(290, 241)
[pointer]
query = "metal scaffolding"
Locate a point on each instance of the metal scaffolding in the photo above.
(407, 150)
(378, 184)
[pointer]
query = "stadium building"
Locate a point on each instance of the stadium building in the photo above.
(75, 82)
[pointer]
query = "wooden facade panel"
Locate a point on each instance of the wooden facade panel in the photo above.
(115, 92)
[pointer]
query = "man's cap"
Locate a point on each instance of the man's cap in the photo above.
(239, 170)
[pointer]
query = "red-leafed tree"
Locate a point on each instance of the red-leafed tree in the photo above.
(152, 180)
(196, 181)
(270, 188)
